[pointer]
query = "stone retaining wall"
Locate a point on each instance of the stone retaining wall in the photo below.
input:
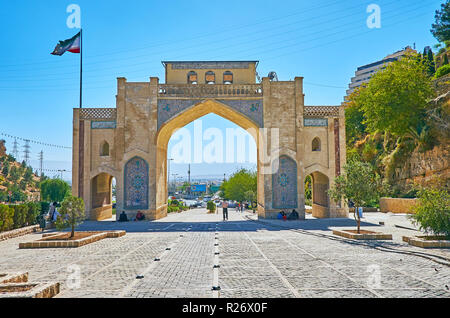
(396, 205)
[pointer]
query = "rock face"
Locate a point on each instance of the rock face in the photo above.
(421, 167)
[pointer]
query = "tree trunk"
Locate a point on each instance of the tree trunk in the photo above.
(359, 220)
(73, 231)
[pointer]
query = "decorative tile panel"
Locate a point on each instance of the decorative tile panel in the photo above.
(169, 108)
(136, 184)
(103, 125)
(284, 184)
(252, 109)
(315, 122)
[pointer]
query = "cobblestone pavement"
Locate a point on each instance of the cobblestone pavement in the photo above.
(177, 256)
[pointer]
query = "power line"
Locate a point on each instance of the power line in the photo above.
(199, 36)
(34, 141)
(221, 40)
(251, 49)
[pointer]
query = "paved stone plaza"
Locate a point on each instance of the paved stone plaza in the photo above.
(256, 258)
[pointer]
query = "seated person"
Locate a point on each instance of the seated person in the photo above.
(293, 215)
(123, 217)
(55, 215)
(140, 216)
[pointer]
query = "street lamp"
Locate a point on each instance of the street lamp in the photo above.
(175, 179)
(168, 174)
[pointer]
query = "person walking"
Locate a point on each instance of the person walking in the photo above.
(225, 210)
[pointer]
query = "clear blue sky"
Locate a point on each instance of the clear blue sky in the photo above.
(323, 41)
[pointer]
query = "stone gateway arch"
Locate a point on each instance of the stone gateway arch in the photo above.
(129, 142)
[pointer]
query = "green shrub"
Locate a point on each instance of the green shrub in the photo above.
(6, 218)
(34, 210)
(3, 196)
(443, 70)
(211, 206)
(432, 213)
(171, 209)
(20, 215)
(44, 207)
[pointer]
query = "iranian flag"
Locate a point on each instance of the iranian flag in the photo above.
(72, 45)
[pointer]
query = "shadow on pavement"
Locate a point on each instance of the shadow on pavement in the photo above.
(232, 226)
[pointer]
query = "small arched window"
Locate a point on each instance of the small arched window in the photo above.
(104, 149)
(192, 78)
(210, 77)
(316, 144)
(228, 77)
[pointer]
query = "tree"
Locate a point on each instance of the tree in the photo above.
(16, 194)
(441, 28)
(71, 214)
(211, 206)
(308, 190)
(238, 184)
(445, 62)
(15, 174)
(432, 213)
(5, 170)
(3, 196)
(54, 190)
(431, 64)
(28, 175)
(354, 118)
(395, 98)
(359, 184)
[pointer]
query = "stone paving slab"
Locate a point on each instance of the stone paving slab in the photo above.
(256, 260)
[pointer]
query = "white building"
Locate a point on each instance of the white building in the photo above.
(364, 73)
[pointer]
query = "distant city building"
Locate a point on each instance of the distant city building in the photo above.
(364, 73)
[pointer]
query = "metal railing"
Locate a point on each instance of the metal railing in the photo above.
(210, 90)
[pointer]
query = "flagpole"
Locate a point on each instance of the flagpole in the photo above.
(81, 68)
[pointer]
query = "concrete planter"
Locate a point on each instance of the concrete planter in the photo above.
(363, 236)
(428, 241)
(93, 237)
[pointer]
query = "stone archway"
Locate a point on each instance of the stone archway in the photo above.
(101, 197)
(320, 199)
(182, 119)
(147, 114)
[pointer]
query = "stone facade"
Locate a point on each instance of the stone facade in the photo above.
(112, 140)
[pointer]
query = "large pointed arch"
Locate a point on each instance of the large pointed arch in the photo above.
(182, 119)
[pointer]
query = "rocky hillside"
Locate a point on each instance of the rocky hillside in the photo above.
(18, 183)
